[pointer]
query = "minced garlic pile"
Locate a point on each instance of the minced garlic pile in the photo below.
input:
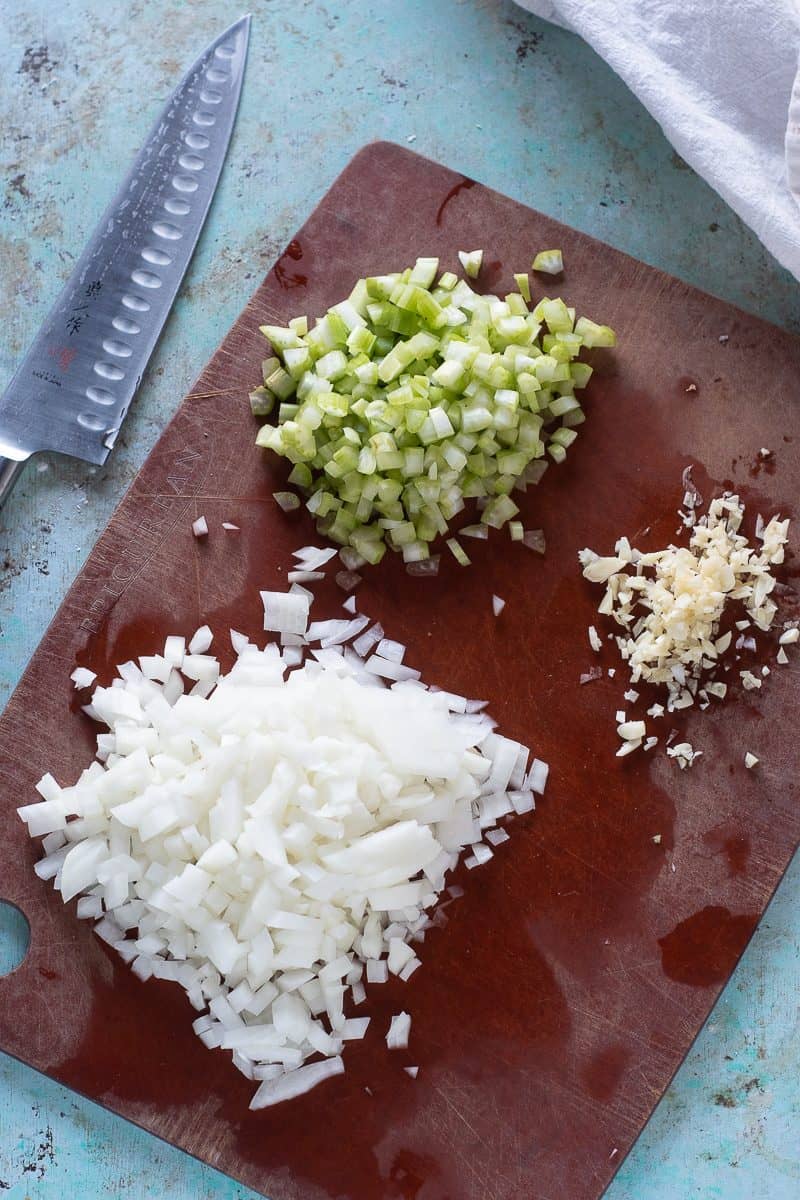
(670, 603)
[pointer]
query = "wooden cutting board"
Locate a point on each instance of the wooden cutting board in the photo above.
(564, 990)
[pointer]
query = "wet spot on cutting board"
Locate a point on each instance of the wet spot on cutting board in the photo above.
(464, 184)
(727, 839)
(604, 1072)
(704, 949)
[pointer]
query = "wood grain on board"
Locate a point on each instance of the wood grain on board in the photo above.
(569, 981)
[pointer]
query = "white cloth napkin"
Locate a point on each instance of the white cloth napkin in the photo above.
(721, 78)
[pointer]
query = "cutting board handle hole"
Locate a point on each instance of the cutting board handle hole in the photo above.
(15, 937)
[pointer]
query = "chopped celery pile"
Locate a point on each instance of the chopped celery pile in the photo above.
(416, 394)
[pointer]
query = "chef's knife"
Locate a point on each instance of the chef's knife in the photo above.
(73, 388)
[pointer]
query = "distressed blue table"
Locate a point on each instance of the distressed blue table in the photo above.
(518, 104)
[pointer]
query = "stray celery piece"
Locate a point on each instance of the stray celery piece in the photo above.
(471, 261)
(458, 552)
(524, 284)
(262, 402)
(549, 262)
(516, 530)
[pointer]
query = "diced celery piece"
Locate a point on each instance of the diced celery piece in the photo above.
(545, 368)
(280, 338)
(594, 335)
(268, 366)
(349, 315)
(332, 365)
(424, 272)
(333, 404)
(366, 461)
(512, 462)
(380, 287)
(514, 329)
(450, 374)
(360, 341)
(458, 552)
(300, 476)
(389, 460)
(415, 551)
(562, 405)
(297, 360)
(523, 282)
(563, 437)
(367, 373)
(281, 383)
(556, 314)
(498, 511)
(395, 362)
(422, 346)
(471, 261)
(550, 262)
(476, 418)
(262, 402)
(580, 373)
(371, 551)
(403, 534)
(288, 412)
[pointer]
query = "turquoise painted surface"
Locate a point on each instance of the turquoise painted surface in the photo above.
(507, 99)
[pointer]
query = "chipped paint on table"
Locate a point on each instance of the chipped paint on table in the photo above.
(518, 104)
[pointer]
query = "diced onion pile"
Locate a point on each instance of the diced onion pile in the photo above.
(276, 838)
(414, 395)
(670, 603)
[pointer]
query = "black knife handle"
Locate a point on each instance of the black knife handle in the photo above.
(10, 471)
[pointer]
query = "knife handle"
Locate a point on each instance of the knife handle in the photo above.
(10, 470)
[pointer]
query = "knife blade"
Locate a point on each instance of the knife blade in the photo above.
(73, 389)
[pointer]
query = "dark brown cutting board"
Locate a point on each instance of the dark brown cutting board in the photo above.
(569, 982)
